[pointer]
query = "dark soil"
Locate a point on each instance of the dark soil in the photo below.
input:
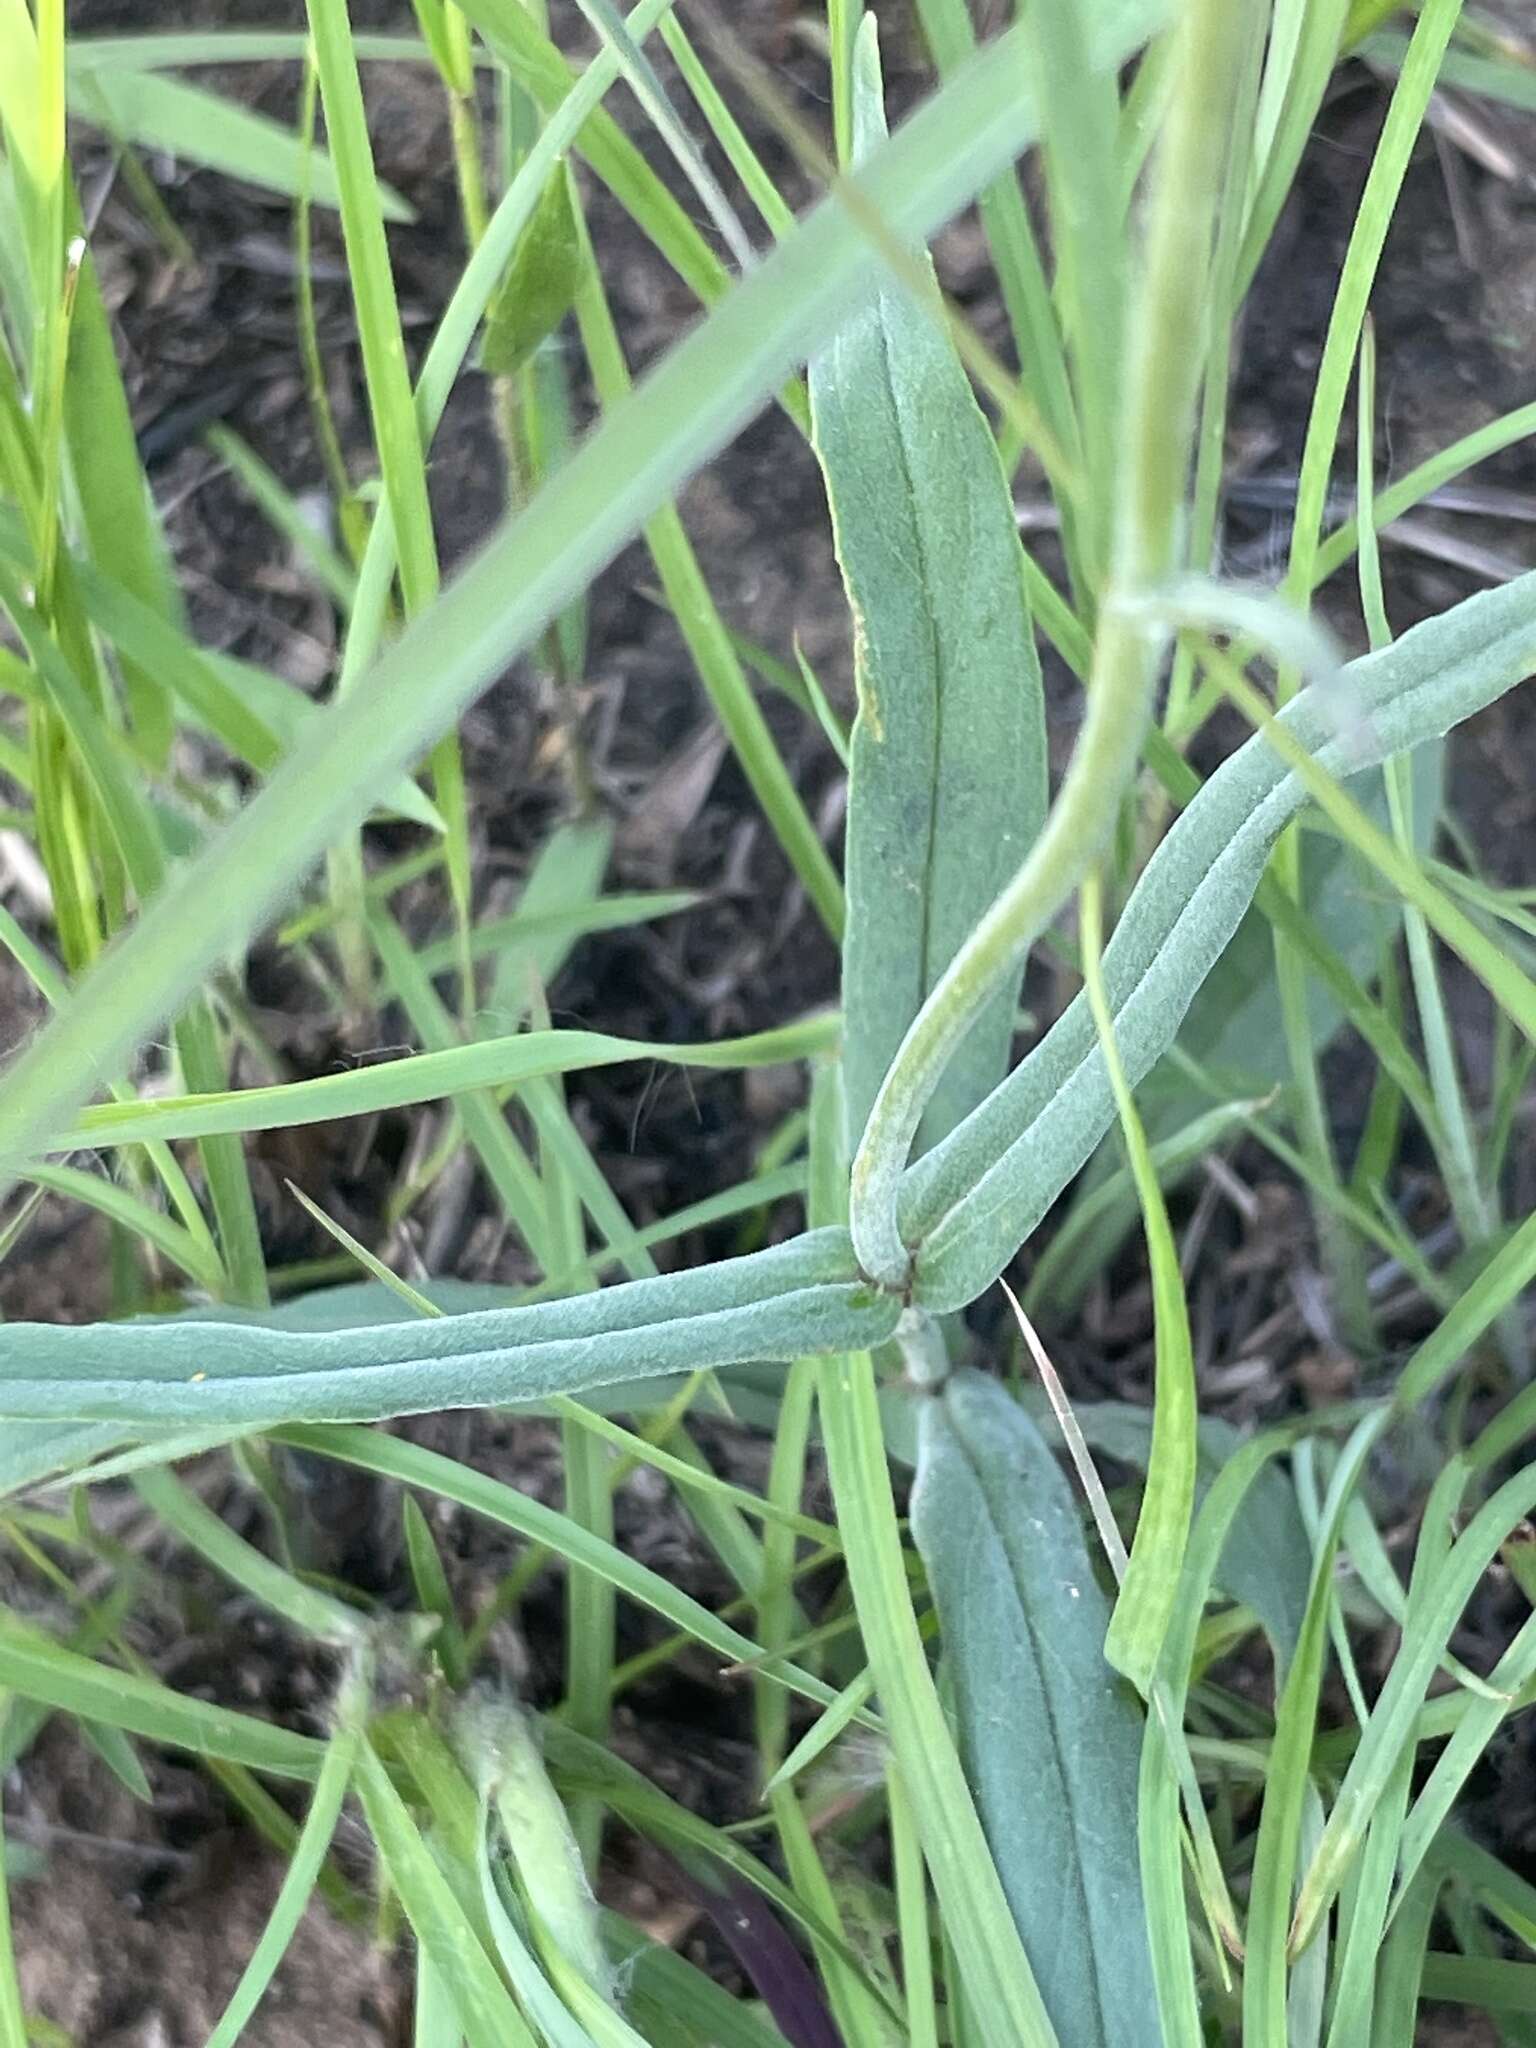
(136, 1930)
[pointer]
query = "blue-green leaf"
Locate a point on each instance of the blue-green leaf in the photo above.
(948, 777)
(972, 1201)
(1050, 1737)
(797, 1299)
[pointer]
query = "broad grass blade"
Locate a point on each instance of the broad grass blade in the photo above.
(948, 780)
(1050, 1739)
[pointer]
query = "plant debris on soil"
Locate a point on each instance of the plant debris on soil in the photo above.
(135, 1926)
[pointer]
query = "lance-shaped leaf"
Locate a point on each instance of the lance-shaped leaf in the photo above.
(947, 785)
(972, 1201)
(1050, 1737)
(789, 1302)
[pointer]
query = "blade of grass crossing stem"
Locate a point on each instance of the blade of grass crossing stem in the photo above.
(702, 628)
(969, 1203)
(948, 784)
(990, 1957)
(972, 1903)
(1151, 1582)
(590, 1601)
(484, 2005)
(1513, 990)
(1276, 1862)
(585, 512)
(521, 1191)
(297, 1888)
(396, 431)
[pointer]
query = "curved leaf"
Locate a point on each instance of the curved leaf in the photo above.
(1051, 1740)
(797, 1299)
(947, 786)
(971, 1201)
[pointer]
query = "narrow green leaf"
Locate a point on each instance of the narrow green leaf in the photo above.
(390, 1457)
(948, 781)
(973, 1901)
(1050, 1738)
(1150, 1583)
(1397, 1706)
(121, 1758)
(301, 1605)
(420, 1077)
(205, 128)
(1279, 1847)
(541, 281)
(38, 1668)
(299, 1881)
